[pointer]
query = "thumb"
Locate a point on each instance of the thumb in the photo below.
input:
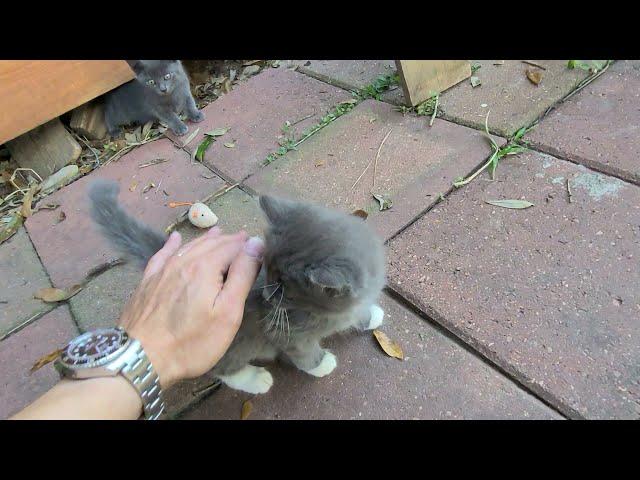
(241, 277)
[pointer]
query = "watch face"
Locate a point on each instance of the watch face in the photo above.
(94, 346)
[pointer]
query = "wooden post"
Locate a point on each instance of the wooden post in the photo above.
(421, 79)
(88, 120)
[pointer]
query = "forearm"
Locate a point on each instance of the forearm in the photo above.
(104, 398)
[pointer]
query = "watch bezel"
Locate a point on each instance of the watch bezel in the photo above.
(64, 359)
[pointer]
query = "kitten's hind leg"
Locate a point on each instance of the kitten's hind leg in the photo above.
(249, 379)
(312, 359)
(371, 318)
(193, 113)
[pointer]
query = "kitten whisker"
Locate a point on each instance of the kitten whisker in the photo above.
(272, 293)
(265, 286)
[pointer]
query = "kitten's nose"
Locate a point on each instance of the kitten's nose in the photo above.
(163, 88)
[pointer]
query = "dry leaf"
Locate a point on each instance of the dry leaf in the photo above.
(517, 204)
(133, 186)
(148, 187)
(130, 138)
(217, 132)
(9, 229)
(191, 137)
(46, 360)
(390, 347)
(250, 62)
(153, 162)
(247, 408)
(52, 295)
(25, 210)
(535, 76)
(229, 145)
(385, 202)
(475, 81)
(146, 129)
(360, 213)
(251, 70)
(61, 217)
(226, 86)
(319, 163)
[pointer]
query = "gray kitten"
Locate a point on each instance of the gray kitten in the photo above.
(322, 273)
(160, 92)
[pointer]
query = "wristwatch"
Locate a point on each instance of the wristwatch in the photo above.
(108, 352)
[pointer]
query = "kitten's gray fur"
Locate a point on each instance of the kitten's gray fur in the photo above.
(322, 272)
(151, 96)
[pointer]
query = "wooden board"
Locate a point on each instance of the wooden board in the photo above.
(421, 79)
(33, 92)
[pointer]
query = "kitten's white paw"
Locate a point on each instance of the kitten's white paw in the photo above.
(250, 379)
(326, 366)
(377, 314)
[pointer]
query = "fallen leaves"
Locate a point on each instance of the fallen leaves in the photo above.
(534, 76)
(203, 147)
(52, 295)
(191, 137)
(25, 210)
(133, 186)
(360, 213)
(229, 145)
(385, 202)
(247, 408)
(217, 132)
(41, 362)
(11, 227)
(475, 82)
(390, 347)
(62, 217)
(516, 204)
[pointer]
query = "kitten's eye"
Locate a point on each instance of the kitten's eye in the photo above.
(151, 82)
(167, 76)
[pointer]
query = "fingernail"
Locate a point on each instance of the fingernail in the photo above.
(254, 247)
(213, 231)
(174, 235)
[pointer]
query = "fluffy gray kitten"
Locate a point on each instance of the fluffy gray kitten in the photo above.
(160, 92)
(322, 273)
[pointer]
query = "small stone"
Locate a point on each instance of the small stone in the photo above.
(60, 178)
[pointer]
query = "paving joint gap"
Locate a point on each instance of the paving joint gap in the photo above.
(486, 359)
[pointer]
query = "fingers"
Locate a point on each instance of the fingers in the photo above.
(212, 233)
(213, 248)
(156, 262)
(242, 274)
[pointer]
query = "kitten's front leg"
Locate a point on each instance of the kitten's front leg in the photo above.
(193, 113)
(311, 358)
(370, 318)
(173, 121)
(249, 379)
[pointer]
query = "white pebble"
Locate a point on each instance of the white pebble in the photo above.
(201, 216)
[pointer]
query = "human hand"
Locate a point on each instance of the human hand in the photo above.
(185, 313)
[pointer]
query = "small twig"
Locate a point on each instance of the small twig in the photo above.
(303, 119)
(158, 187)
(375, 165)
(191, 137)
(93, 150)
(103, 267)
(179, 204)
(435, 111)
(529, 62)
(157, 161)
(569, 191)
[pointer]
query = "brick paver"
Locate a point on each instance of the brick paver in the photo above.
(70, 249)
(352, 74)
(550, 292)
(599, 126)
(21, 350)
(21, 275)
(255, 112)
(437, 379)
(513, 100)
(416, 164)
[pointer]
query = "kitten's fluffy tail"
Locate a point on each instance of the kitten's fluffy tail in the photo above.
(134, 240)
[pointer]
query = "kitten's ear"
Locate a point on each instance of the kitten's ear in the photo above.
(274, 208)
(136, 65)
(331, 281)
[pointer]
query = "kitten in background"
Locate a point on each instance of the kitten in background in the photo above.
(160, 92)
(322, 273)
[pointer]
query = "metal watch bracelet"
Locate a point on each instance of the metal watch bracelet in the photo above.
(137, 369)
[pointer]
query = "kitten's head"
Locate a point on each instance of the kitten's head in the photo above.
(319, 260)
(158, 75)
